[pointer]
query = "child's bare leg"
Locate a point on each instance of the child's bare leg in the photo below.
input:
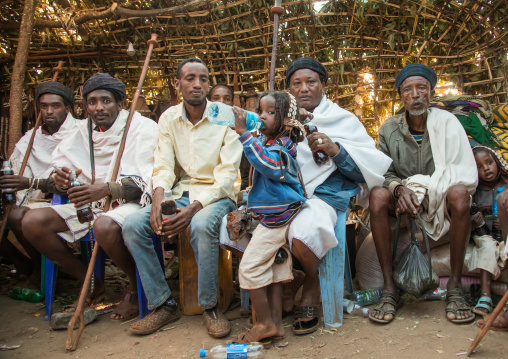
(275, 301)
(485, 282)
(264, 327)
(480, 308)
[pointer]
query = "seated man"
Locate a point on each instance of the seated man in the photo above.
(55, 102)
(432, 157)
(222, 93)
(198, 161)
(353, 159)
(104, 97)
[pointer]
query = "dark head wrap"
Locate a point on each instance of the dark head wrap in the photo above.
(101, 81)
(56, 88)
(306, 63)
(416, 70)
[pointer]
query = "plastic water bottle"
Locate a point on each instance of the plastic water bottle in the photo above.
(496, 233)
(438, 294)
(28, 295)
(252, 350)
(367, 297)
(222, 114)
(8, 198)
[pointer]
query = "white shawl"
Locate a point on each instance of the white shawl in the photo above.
(345, 128)
(454, 164)
(137, 160)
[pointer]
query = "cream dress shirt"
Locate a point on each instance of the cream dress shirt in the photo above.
(202, 159)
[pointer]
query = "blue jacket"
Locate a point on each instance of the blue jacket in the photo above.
(270, 194)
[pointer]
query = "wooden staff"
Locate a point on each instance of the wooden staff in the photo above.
(78, 314)
(277, 10)
(486, 326)
(56, 71)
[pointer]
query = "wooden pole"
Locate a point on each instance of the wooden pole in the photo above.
(78, 314)
(483, 330)
(277, 11)
(56, 71)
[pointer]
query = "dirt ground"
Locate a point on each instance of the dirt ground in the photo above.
(419, 331)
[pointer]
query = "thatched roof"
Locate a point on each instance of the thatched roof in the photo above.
(363, 44)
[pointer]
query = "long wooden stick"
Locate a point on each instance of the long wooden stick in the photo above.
(78, 314)
(277, 11)
(56, 71)
(486, 326)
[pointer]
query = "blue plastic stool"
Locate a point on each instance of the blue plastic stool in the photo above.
(143, 302)
(51, 269)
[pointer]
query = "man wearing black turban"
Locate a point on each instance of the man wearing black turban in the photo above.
(433, 174)
(55, 102)
(103, 95)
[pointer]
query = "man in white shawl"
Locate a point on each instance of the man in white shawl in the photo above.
(353, 161)
(55, 102)
(104, 97)
(434, 174)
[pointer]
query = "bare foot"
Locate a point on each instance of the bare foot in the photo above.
(290, 289)
(500, 324)
(258, 332)
(97, 295)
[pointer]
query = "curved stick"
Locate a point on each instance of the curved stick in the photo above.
(56, 71)
(486, 326)
(78, 314)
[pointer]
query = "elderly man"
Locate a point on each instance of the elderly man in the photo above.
(199, 162)
(433, 173)
(353, 159)
(104, 97)
(55, 102)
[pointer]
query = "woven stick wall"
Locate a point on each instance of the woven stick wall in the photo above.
(363, 44)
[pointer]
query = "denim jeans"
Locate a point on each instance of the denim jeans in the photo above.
(204, 230)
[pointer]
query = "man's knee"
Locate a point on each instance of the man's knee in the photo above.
(458, 198)
(16, 216)
(106, 230)
(379, 200)
(34, 221)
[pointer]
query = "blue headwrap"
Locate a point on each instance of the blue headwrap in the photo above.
(56, 88)
(104, 82)
(307, 63)
(416, 70)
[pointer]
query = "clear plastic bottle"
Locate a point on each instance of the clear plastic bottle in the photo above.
(367, 297)
(8, 198)
(28, 295)
(438, 294)
(222, 114)
(496, 233)
(85, 213)
(168, 205)
(252, 350)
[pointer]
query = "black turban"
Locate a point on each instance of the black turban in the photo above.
(56, 88)
(306, 63)
(101, 81)
(416, 70)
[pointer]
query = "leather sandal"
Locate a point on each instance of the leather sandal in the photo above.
(125, 310)
(484, 306)
(306, 319)
(247, 338)
(456, 296)
(390, 299)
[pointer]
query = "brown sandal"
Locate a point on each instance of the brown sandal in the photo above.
(306, 319)
(96, 297)
(247, 338)
(124, 311)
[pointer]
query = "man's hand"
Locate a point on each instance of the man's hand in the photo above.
(304, 114)
(240, 120)
(88, 193)
(502, 200)
(62, 177)
(408, 202)
(476, 220)
(320, 142)
(155, 213)
(14, 183)
(181, 220)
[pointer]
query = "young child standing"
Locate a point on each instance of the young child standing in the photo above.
(276, 196)
(488, 254)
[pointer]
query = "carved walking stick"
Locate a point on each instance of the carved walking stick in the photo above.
(78, 314)
(486, 326)
(56, 71)
(277, 11)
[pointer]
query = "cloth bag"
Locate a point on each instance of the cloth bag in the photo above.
(413, 273)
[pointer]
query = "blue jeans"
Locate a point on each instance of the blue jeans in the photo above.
(204, 230)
